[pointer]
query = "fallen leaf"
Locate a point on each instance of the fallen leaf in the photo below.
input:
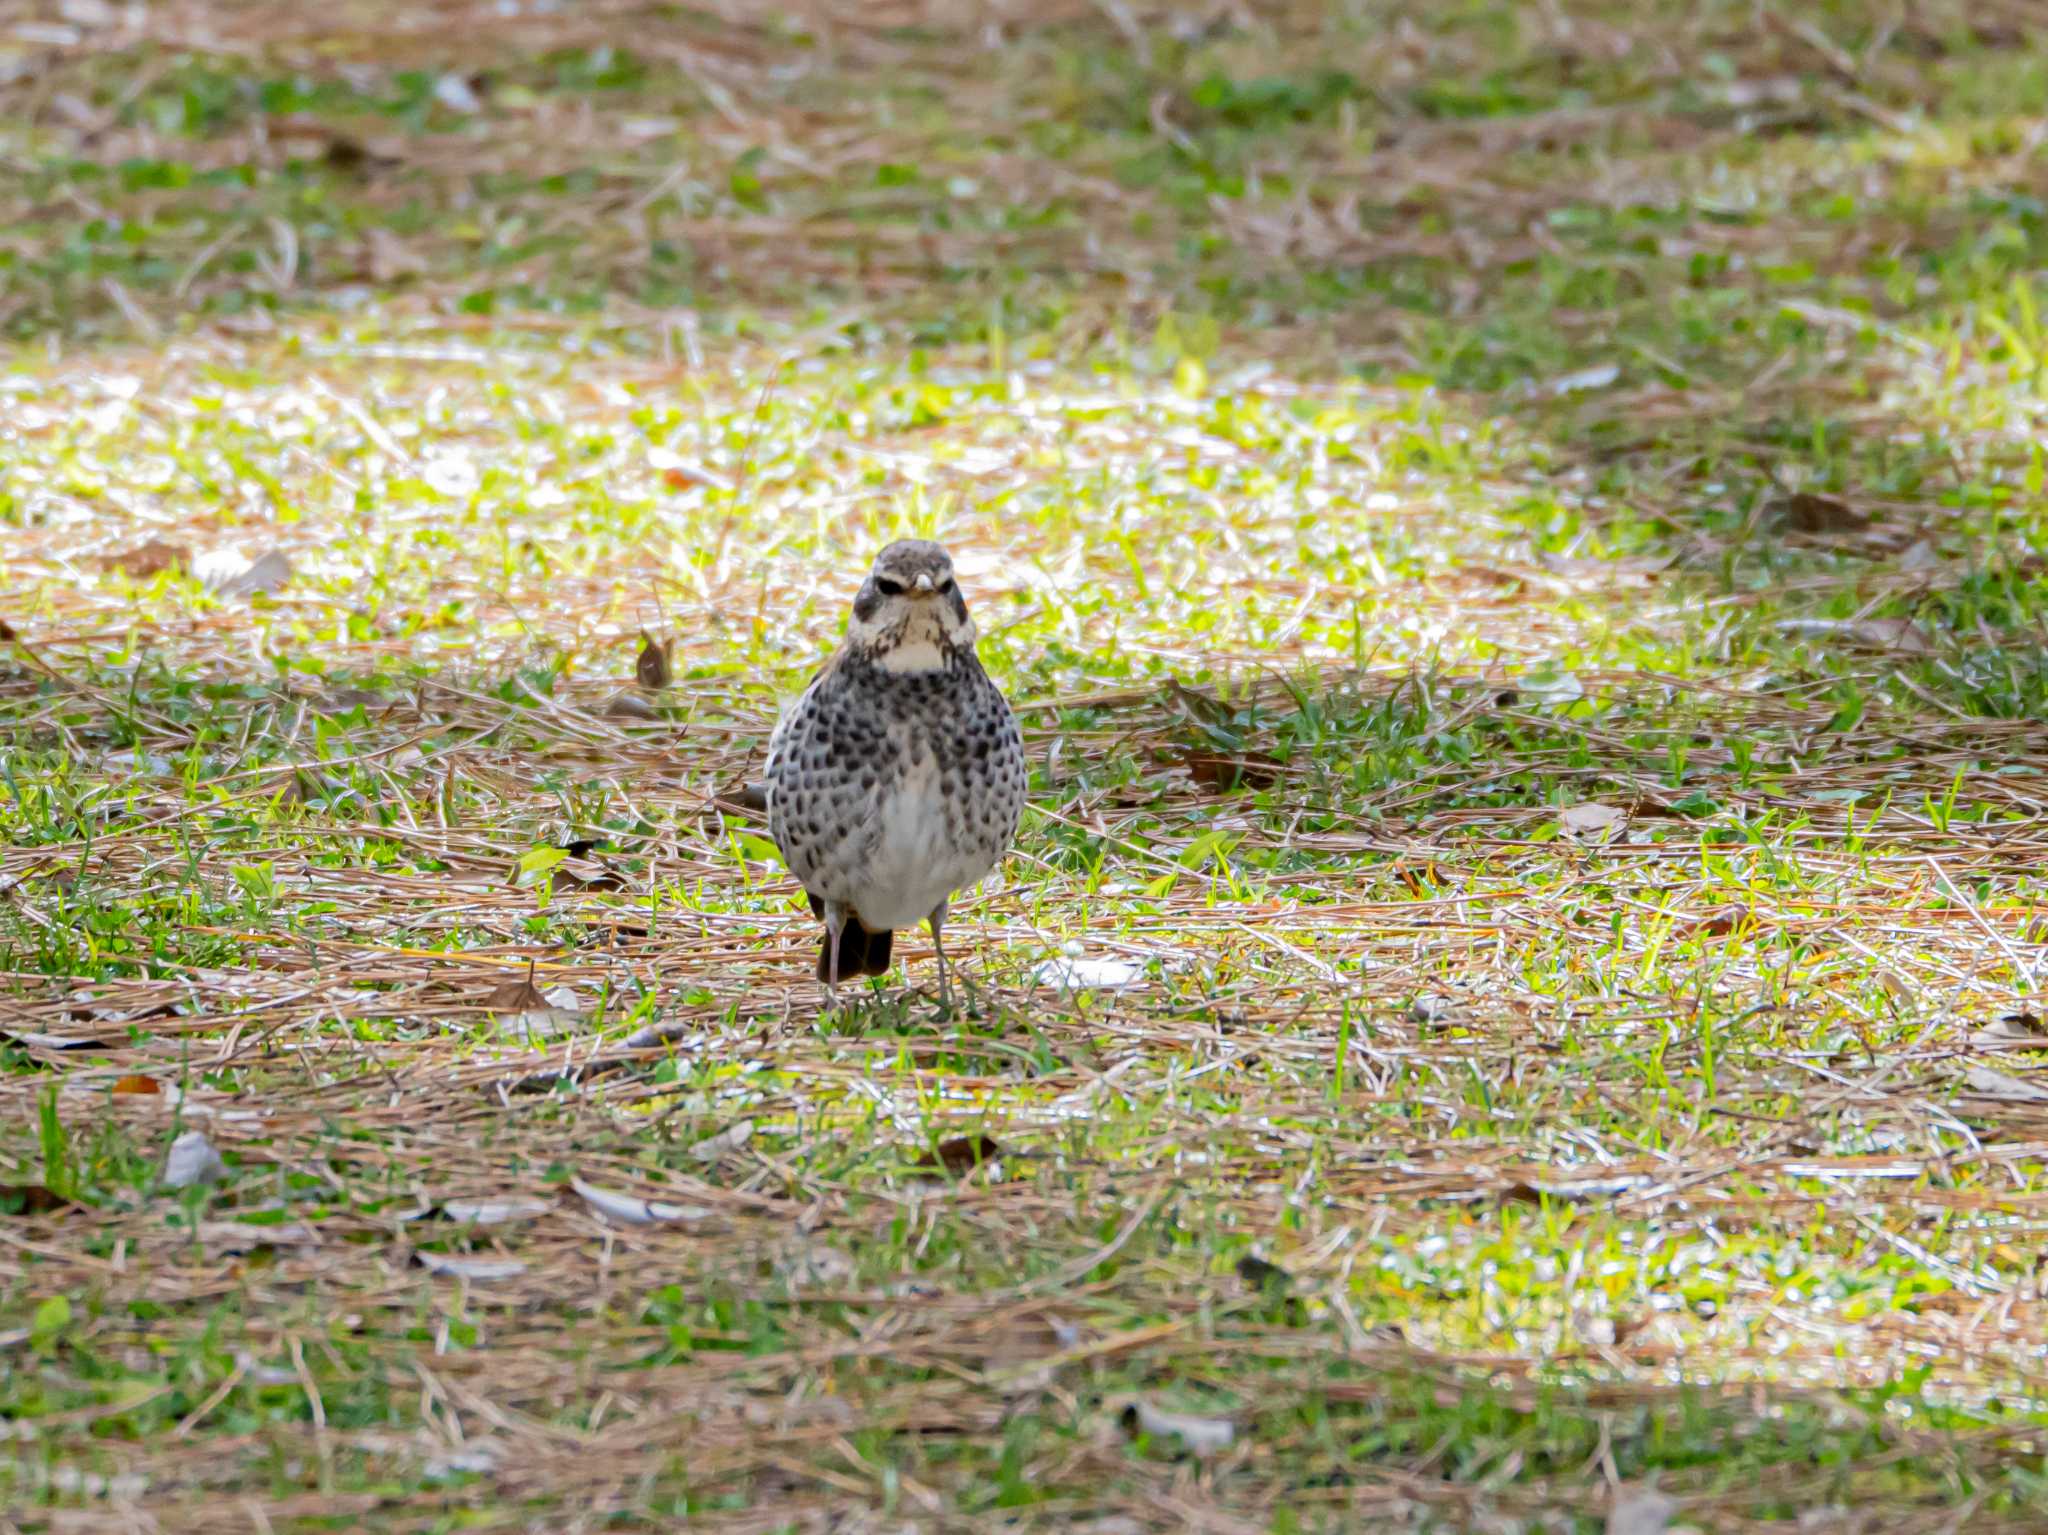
(1200, 706)
(725, 1142)
(679, 473)
(228, 1238)
(1010, 1346)
(651, 668)
(528, 1013)
(267, 574)
(631, 1210)
(1555, 688)
(1203, 1436)
(146, 560)
(470, 1268)
(1806, 511)
(804, 1262)
(2013, 1031)
(1072, 973)
(1640, 1511)
(516, 995)
(7, 632)
(1719, 923)
(1597, 377)
(137, 1085)
(962, 1153)
(1246, 770)
(628, 705)
(1986, 1083)
(476, 1457)
(456, 94)
(492, 1212)
(1920, 555)
(1591, 816)
(60, 1041)
(1432, 1007)
(1892, 634)
(192, 1160)
(1536, 1190)
(33, 1199)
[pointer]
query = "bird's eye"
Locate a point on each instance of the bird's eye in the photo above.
(887, 587)
(949, 588)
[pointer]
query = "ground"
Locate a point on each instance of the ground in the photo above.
(1516, 536)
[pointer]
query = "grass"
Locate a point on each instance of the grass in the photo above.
(1517, 537)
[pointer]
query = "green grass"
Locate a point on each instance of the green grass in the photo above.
(1369, 437)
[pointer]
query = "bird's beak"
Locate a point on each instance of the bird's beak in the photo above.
(922, 581)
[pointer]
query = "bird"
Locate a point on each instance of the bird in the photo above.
(897, 779)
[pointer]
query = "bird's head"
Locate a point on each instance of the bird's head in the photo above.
(909, 612)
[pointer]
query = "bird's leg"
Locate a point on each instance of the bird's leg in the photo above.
(835, 924)
(938, 920)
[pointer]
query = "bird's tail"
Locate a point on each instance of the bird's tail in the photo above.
(861, 952)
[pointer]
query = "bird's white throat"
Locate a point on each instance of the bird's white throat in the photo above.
(920, 641)
(918, 655)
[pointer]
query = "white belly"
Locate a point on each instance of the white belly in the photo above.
(912, 865)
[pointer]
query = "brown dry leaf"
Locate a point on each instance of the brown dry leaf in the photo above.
(1245, 770)
(525, 1012)
(962, 1154)
(137, 1085)
(146, 560)
(1806, 511)
(1591, 817)
(590, 874)
(7, 631)
(652, 668)
(626, 704)
(1719, 923)
(516, 996)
